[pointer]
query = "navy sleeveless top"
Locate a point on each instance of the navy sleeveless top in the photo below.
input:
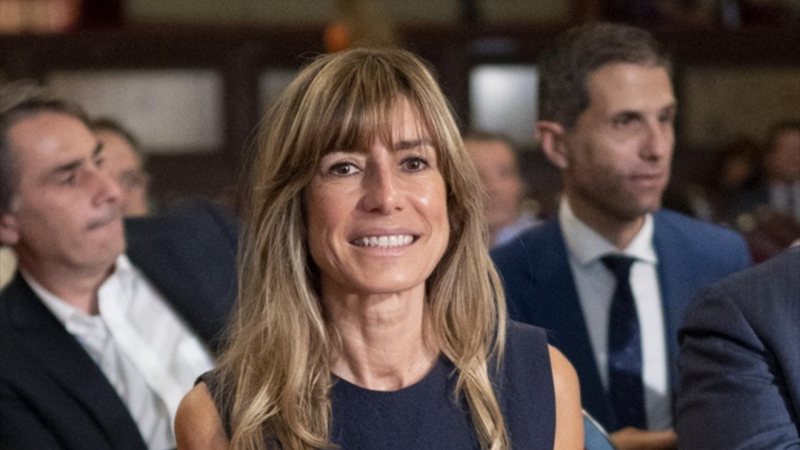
(426, 415)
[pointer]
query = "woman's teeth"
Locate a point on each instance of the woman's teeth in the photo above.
(384, 241)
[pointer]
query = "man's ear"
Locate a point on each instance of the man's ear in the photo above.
(9, 229)
(551, 136)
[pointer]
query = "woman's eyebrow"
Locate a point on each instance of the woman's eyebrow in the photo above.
(409, 144)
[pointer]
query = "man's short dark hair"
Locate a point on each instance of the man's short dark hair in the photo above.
(113, 126)
(18, 101)
(565, 67)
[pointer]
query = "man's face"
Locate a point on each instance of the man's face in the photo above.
(124, 164)
(65, 213)
(783, 161)
(497, 168)
(618, 154)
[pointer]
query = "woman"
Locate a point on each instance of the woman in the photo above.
(370, 315)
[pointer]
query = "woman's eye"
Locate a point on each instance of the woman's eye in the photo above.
(414, 164)
(343, 169)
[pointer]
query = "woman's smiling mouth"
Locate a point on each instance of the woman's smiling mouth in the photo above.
(384, 241)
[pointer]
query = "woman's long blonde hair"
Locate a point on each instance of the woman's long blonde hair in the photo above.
(275, 376)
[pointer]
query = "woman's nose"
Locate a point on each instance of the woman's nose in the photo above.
(381, 193)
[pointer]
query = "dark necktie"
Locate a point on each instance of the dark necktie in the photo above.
(625, 387)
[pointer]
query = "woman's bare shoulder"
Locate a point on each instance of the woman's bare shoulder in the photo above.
(569, 416)
(197, 422)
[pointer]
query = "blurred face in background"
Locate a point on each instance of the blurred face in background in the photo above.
(499, 174)
(783, 162)
(125, 165)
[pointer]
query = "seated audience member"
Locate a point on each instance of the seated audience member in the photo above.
(733, 175)
(736, 173)
(611, 275)
(496, 160)
(780, 190)
(740, 361)
(783, 169)
(123, 159)
(97, 346)
(370, 315)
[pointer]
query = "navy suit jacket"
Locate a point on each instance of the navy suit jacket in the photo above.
(740, 361)
(541, 290)
(52, 394)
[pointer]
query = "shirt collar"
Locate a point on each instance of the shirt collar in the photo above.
(587, 246)
(72, 317)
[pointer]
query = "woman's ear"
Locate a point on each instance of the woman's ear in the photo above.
(551, 136)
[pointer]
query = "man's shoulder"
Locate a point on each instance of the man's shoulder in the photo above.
(698, 236)
(695, 229)
(11, 295)
(713, 248)
(777, 277)
(762, 298)
(16, 312)
(196, 229)
(191, 214)
(540, 239)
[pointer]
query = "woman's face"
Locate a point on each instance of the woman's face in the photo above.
(377, 216)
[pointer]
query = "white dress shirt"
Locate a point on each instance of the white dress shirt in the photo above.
(145, 350)
(595, 286)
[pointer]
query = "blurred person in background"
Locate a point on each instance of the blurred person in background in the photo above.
(728, 188)
(776, 189)
(125, 162)
(782, 167)
(735, 174)
(495, 157)
(611, 275)
(768, 211)
(103, 327)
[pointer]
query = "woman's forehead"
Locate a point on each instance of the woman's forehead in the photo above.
(397, 125)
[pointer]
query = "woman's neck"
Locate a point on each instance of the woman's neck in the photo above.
(385, 340)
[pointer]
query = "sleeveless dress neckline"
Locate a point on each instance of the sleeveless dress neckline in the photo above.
(411, 389)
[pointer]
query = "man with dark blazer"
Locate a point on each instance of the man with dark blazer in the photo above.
(606, 117)
(740, 361)
(97, 346)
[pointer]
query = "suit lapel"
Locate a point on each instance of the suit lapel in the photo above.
(65, 361)
(674, 273)
(562, 311)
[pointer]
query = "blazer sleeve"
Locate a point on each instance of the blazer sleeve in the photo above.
(732, 393)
